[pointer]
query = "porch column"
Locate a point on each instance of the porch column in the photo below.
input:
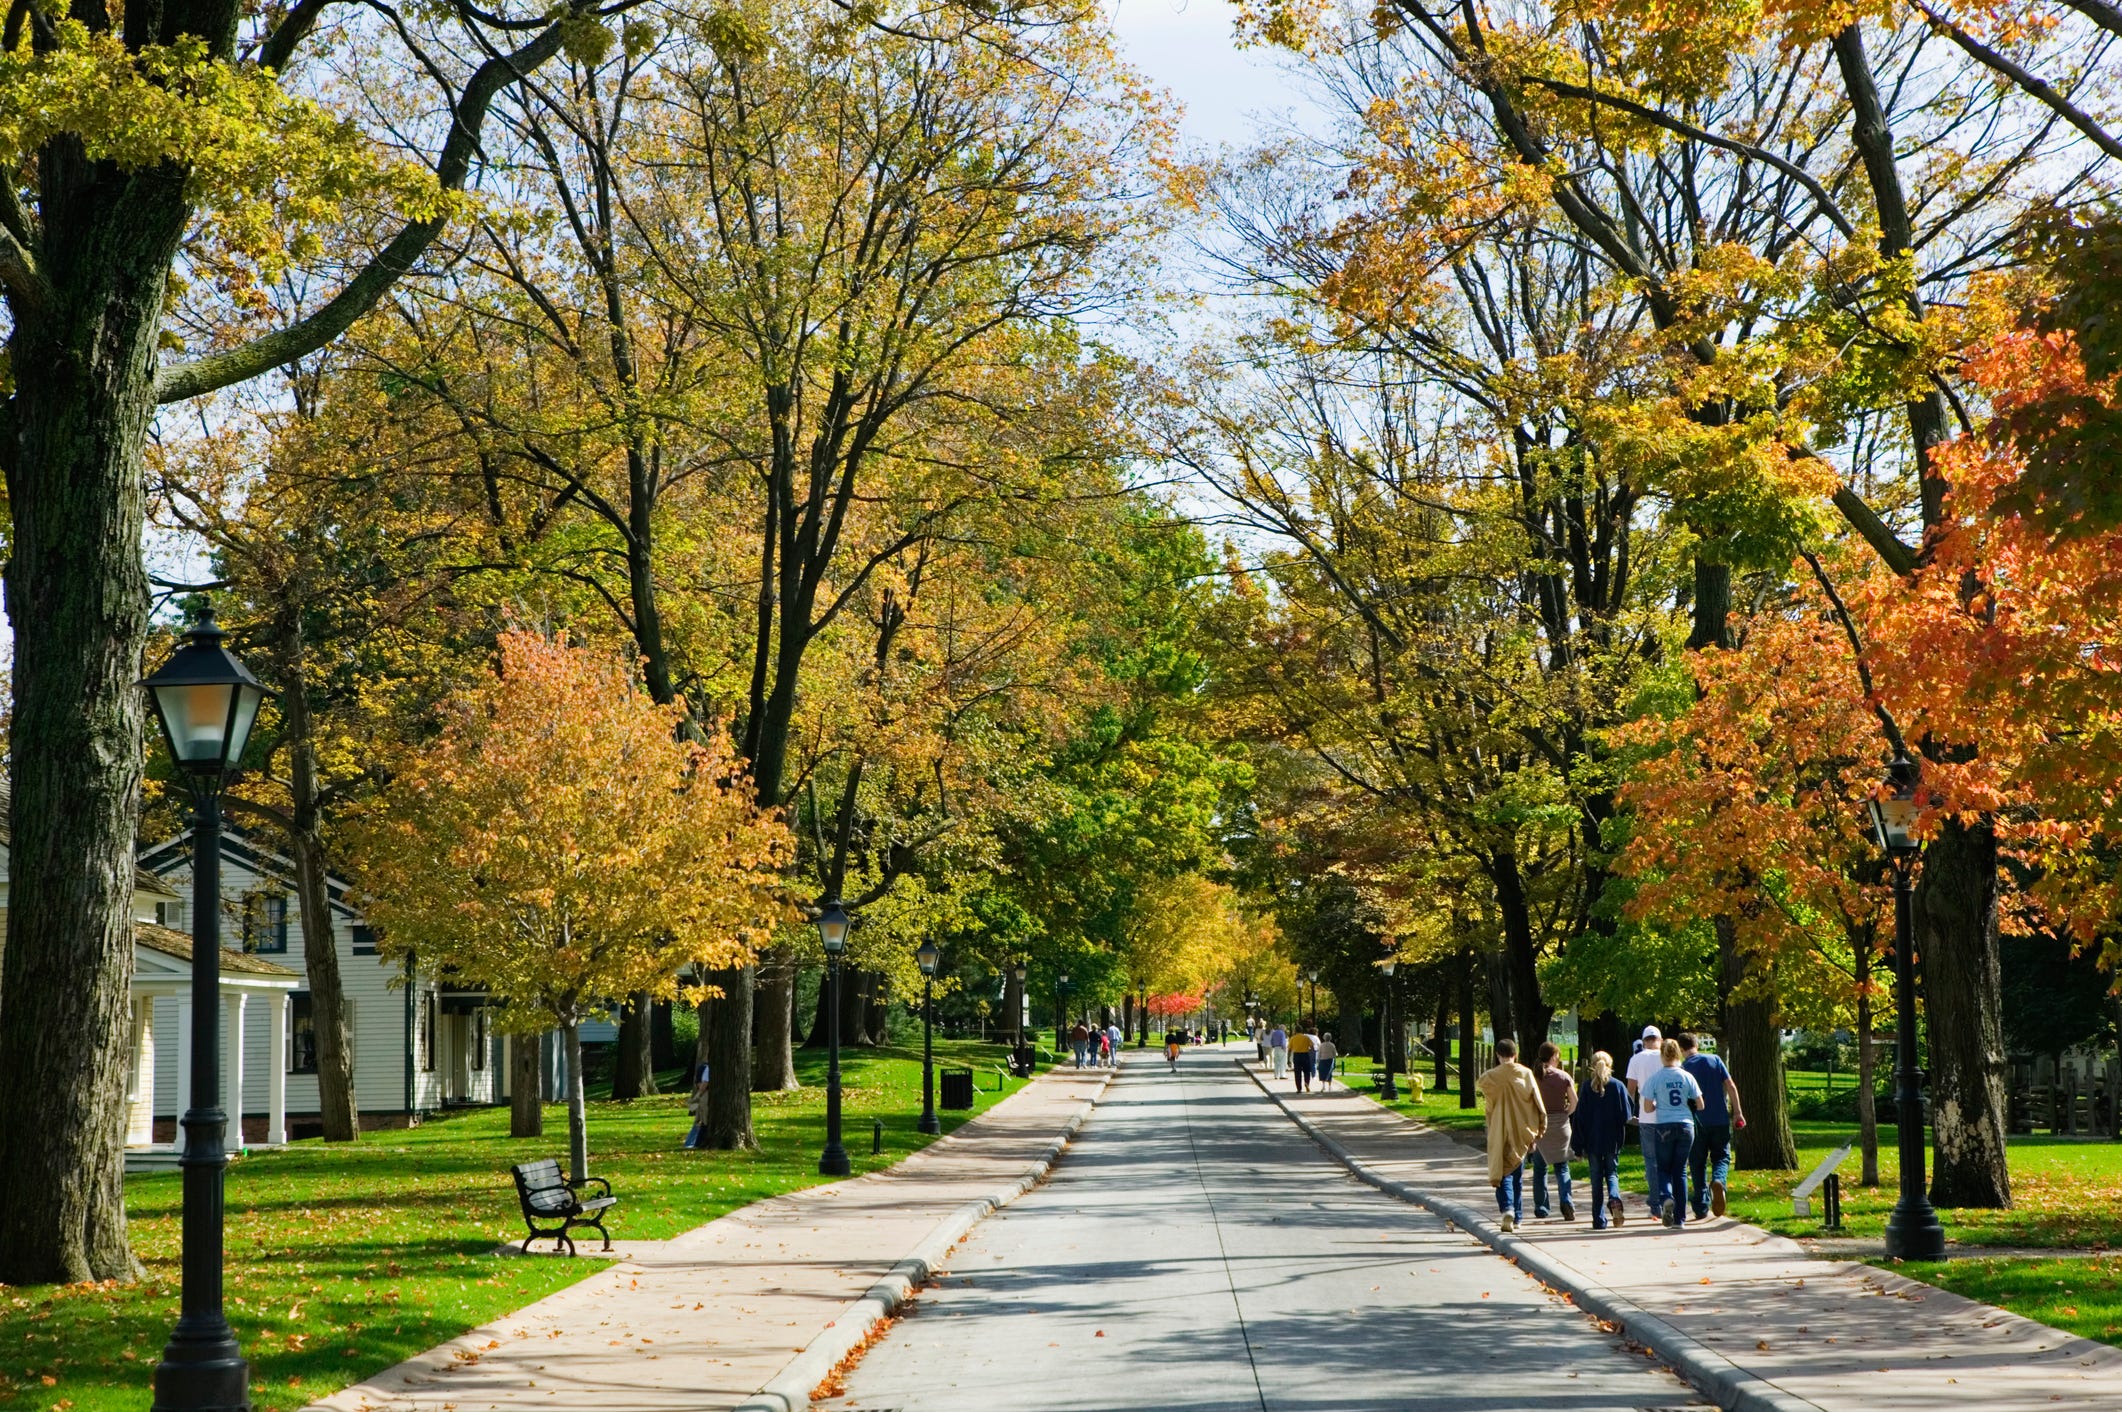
(232, 1059)
(276, 1071)
(184, 1066)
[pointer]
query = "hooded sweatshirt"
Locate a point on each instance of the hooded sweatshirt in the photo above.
(1516, 1116)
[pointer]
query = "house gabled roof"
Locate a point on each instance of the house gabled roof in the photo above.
(143, 880)
(174, 853)
(178, 946)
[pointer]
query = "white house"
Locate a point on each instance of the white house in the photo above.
(419, 1045)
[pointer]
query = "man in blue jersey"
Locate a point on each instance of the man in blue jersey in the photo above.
(1721, 1112)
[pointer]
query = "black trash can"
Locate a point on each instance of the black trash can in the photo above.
(957, 1088)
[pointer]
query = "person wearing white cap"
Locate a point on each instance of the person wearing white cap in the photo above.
(1642, 1066)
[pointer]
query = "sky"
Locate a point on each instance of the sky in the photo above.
(1185, 46)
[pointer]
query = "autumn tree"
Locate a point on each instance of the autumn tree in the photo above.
(561, 844)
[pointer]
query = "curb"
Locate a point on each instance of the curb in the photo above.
(789, 1390)
(1731, 1386)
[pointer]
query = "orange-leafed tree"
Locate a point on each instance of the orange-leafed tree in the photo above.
(1748, 807)
(563, 845)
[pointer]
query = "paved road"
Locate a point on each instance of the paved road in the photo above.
(1194, 1252)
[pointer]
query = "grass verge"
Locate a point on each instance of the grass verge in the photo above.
(343, 1260)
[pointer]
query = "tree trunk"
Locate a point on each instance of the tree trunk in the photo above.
(70, 444)
(1348, 1025)
(876, 1012)
(774, 1066)
(631, 1075)
(1466, 1027)
(577, 1110)
(729, 1085)
(820, 1020)
(1443, 1041)
(526, 1086)
(1867, 1063)
(336, 1100)
(854, 1008)
(1529, 1015)
(1753, 1051)
(662, 1039)
(1502, 1015)
(1956, 951)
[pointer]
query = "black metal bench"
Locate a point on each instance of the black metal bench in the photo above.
(548, 1196)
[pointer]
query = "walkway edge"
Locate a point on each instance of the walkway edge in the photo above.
(1733, 1387)
(789, 1390)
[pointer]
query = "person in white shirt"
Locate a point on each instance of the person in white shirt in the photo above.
(1119, 1037)
(1326, 1053)
(1641, 1065)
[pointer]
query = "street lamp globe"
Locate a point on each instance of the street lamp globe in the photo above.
(832, 928)
(927, 956)
(1893, 814)
(1389, 965)
(205, 700)
(1016, 972)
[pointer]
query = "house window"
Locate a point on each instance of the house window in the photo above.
(364, 940)
(265, 923)
(301, 1034)
(427, 1033)
(172, 915)
(479, 1039)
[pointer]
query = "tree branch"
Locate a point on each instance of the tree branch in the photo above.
(272, 350)
(1873, 530)
(2036, 86)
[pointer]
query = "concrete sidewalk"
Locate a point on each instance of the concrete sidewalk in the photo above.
(1747, 1316)
(762, 1299)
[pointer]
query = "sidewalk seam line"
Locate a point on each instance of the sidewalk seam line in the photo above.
(1734, 1387)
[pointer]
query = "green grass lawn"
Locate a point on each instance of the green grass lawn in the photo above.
(345, 1260)
(2067, 1193)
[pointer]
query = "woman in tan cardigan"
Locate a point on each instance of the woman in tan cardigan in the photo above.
(1516, 1120)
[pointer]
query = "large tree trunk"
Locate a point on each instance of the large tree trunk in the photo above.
(632, 1076)
(1753, 1051)
(662, 1039)
(1956, 949)
(854, 1008)
(577, 1109)
(1348, 1024)
(774, 1065)
(1867, 1064)
(1443, 1040)
(1502, 1013)
(1466, 1027)
(526, 1086)
(876, 1008)
(729, 1085)
(1529, 1014)
(820, 1019)
(334, 1027)
(70, 444)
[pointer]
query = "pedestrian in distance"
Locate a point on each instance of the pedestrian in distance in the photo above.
(1118, 1037)
(1516, 1120)
(1641, 1065)
(1259, 1029)
(1671, 1098)
(1172, 1040)
(1105, 1049)
(1277, 1049)
(1596, 1130)
(1558, 1094)
(1327, 1054)
(1721, 1112)
(1079, 1039)
(696, 1104)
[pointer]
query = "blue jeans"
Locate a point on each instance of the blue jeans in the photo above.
(1510, 1195)
(1606, 1179)
(1674, 1141)
(1540, 1166)
(1082, 1052)
(1646, 1137)
(1711, 1153)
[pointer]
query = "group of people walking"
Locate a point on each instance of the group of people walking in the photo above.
(1096, 1048)
(1682, 1101)
(1305, 1054)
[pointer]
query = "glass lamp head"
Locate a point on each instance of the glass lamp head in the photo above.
(1389, 965)
(832, 927)
(205, 700)
(926, 956)
(1894, 810)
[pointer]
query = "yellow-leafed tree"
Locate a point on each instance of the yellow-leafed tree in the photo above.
(562, 845)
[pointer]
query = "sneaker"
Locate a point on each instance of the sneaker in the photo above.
(1716, 1198)
(1598, 1224)
(1615, 1209)
(1508, 1222)
(1538, 1214)
(1569, 1212)
(1671, 1213)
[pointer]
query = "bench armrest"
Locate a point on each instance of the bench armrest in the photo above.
(577, 1186)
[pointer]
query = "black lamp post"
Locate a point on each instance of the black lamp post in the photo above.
(207, 702)
(1913, 1231)
(1060, 1014)
(1016, 973)
(1387, 1089)
(832, 934)
(926, 956)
